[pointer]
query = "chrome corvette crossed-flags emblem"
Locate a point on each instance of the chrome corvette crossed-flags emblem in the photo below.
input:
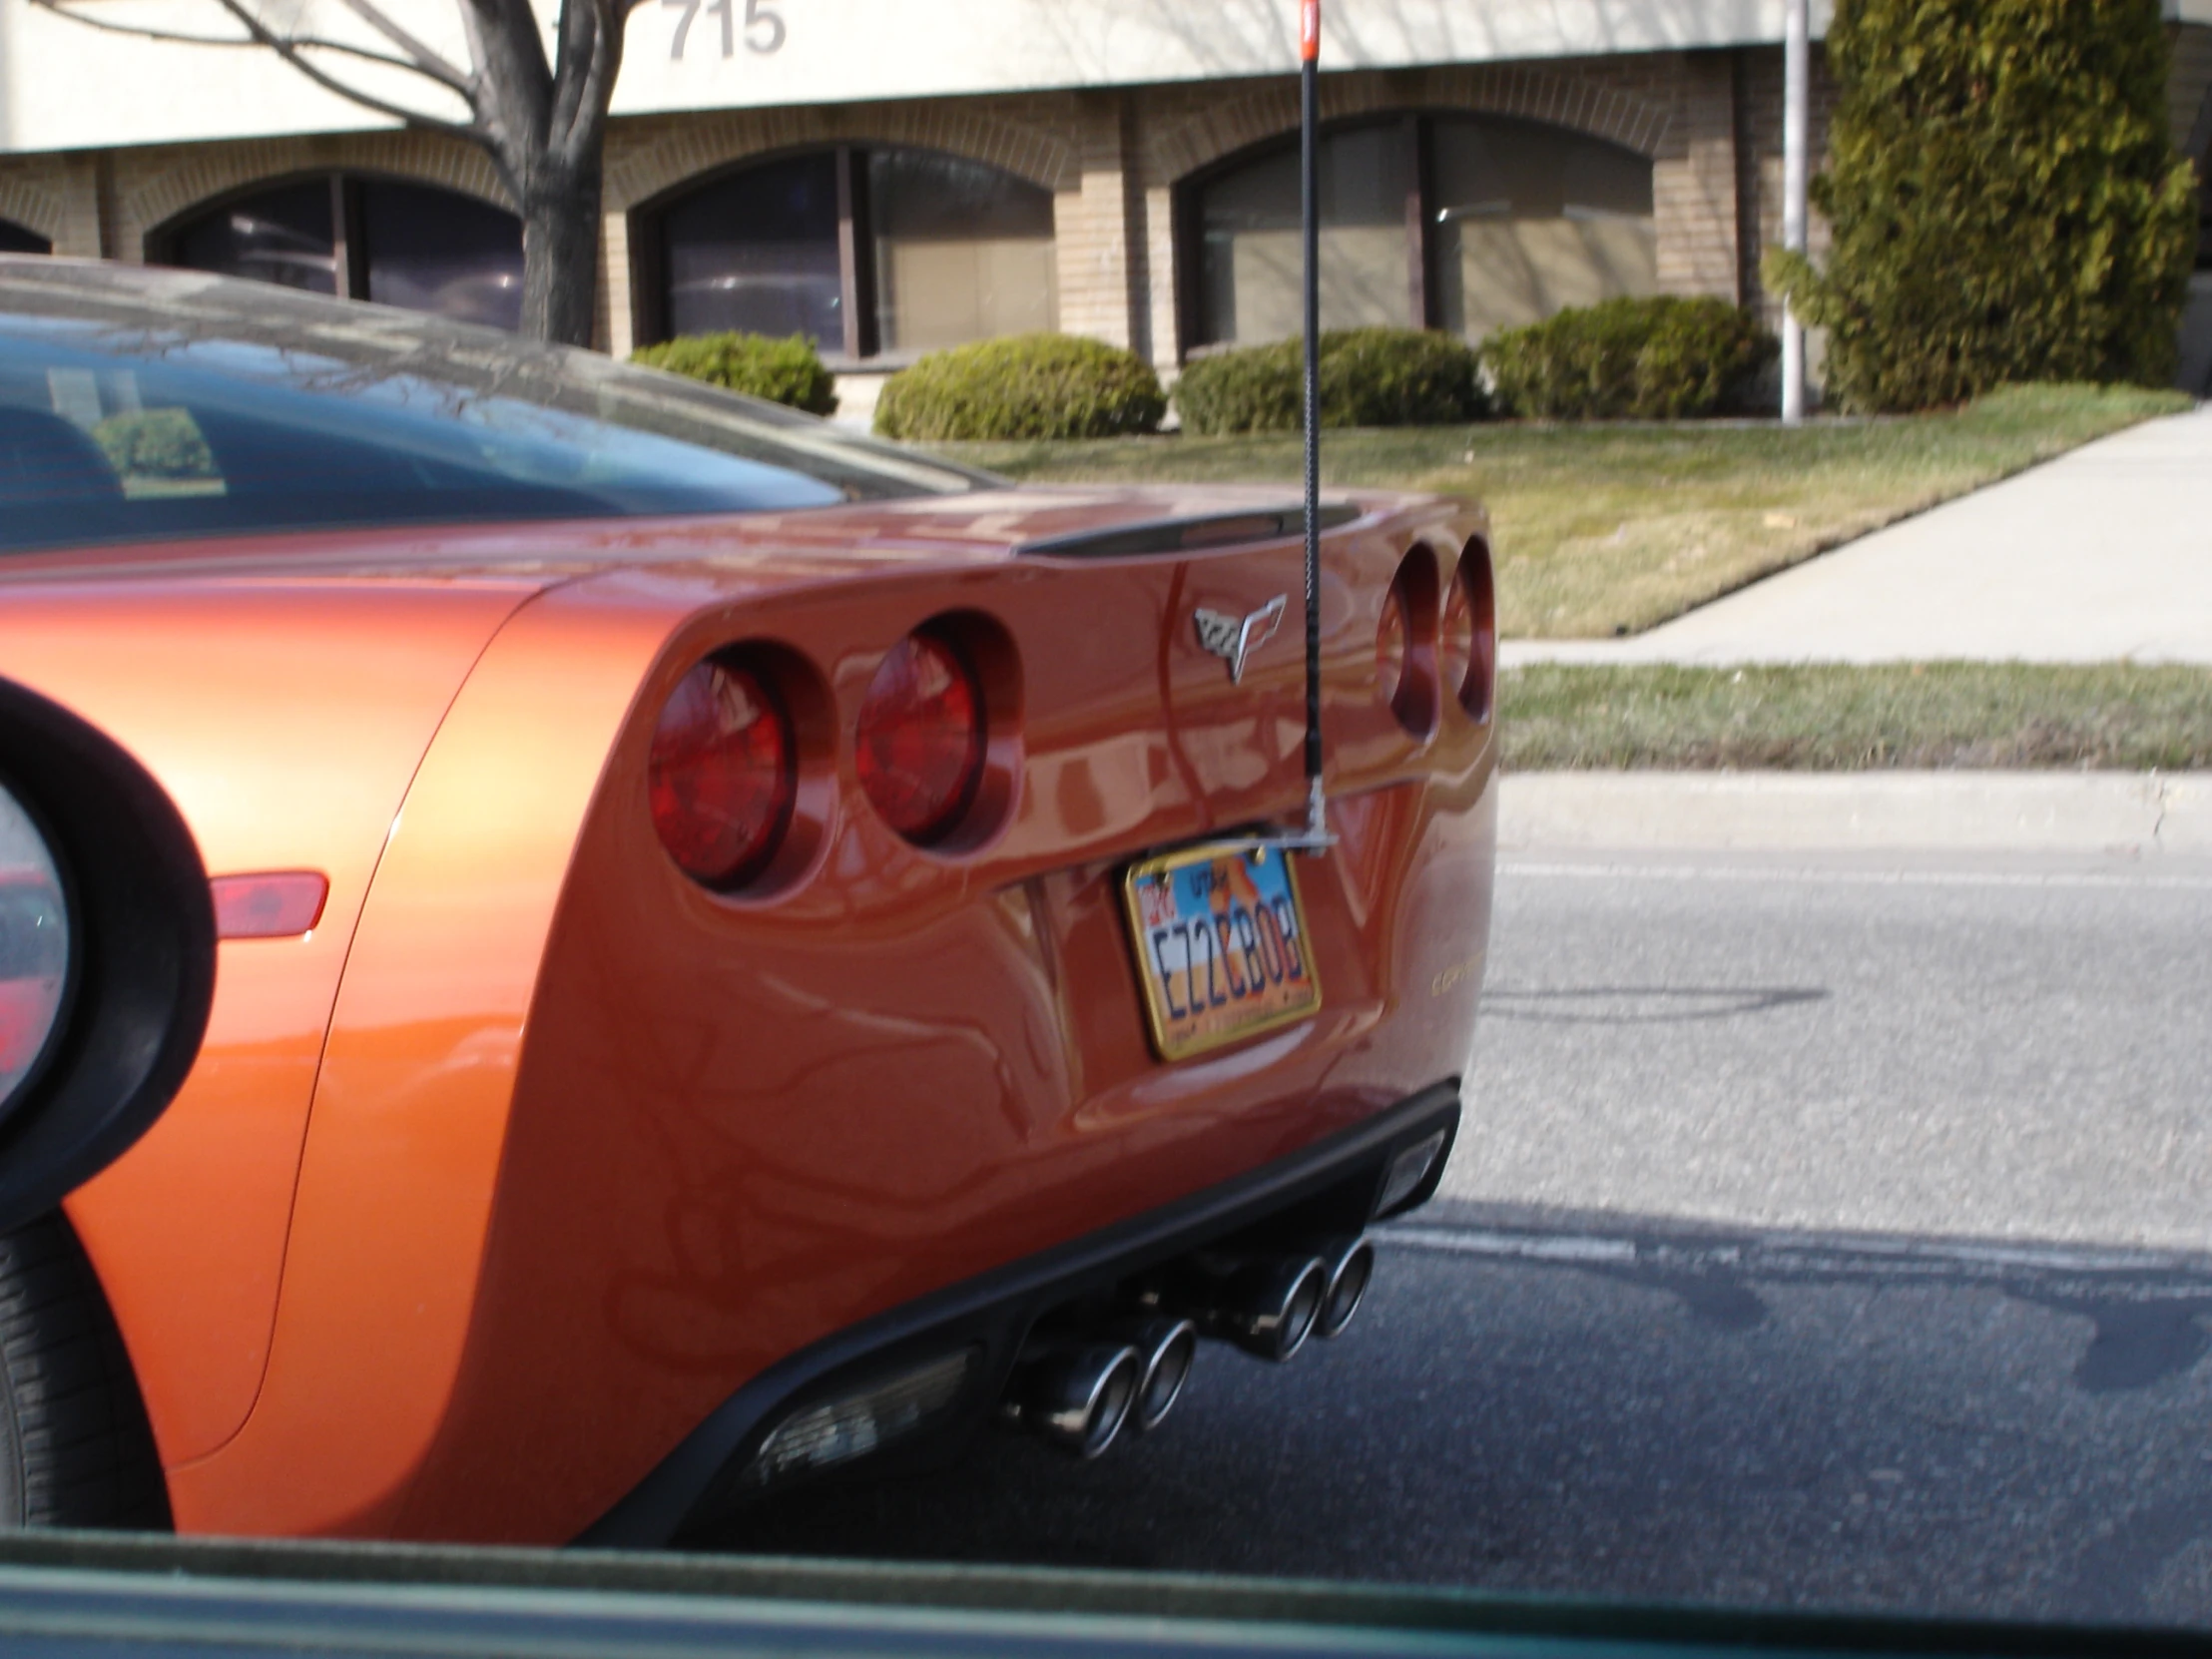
(1233, 639)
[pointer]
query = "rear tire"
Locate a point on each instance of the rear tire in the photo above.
(75, 1448)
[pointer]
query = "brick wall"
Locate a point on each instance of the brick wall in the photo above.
(108, 204)
(1091, 227)
(1709, 121)
(1759, 151)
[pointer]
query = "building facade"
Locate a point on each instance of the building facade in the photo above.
(894, 175)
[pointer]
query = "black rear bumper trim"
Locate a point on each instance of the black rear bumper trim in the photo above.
(1006, 1300)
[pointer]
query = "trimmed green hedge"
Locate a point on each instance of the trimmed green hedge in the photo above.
(787, 372)
(1023, 386)
(2006, 200)
(1659, 359)
(1368, 378)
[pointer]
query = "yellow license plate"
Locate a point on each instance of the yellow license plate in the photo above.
(1219, 936)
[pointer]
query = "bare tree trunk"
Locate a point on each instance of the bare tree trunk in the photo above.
(560, 254)
(543, 124)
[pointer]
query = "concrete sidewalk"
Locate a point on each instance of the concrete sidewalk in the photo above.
(2101, 554)
(1975, 813)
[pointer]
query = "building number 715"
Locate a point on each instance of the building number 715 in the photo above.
(764, 29)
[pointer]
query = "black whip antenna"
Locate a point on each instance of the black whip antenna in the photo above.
(1314, 835)
(1309, 70)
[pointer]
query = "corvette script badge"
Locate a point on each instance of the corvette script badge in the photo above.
(1233, 639)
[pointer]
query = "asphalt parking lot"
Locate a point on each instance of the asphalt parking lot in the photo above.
(1823, 1233)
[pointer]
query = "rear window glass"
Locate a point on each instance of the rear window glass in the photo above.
(141, 405)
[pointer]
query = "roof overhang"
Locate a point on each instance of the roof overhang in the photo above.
(118, 90)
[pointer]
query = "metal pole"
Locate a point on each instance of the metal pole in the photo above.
(1309, 45)
(1796, 53)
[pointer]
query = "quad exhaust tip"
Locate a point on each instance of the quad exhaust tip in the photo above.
(1078, 1394)
(1350, 1270)
(1264, 1305)
(1167, 1348)
(1077, 1397)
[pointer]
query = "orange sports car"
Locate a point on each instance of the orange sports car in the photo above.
(744, 952)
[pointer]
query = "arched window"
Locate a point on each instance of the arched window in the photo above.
(417, 245)
(1466, 223)
(868, 252)
(756, 251)
(1530, 220)
(14, 238)
(1250, 258)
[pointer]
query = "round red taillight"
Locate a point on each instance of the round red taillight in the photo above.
(921, 737)
(722, 775)
(1406, 644)
(1394, 650)
(1468, 650)
(1456, 644)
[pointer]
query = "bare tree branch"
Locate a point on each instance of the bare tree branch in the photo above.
(537, 110)
(579, 50)
(285, 49)
(581, 118)
(179, 37)
(59, 9)
(424, 58)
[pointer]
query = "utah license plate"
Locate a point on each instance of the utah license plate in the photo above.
(1220, 946)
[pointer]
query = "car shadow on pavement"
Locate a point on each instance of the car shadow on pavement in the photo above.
(1644, 1408)
(1639, 1004)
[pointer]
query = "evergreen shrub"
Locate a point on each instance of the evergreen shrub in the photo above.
(1657, 358)
(2005, 197)
(1376, 376)
(787, 372)
(1022, 386)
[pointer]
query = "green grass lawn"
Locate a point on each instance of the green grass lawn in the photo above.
(1605, 529)
(1827, 718)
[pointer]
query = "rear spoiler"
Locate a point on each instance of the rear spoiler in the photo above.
(1190, 535)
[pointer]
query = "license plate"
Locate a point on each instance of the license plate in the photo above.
(1219, 936)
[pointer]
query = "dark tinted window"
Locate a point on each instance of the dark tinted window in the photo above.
(413, 245)
(284, 236)
(1251, 258)
(1530, 220)
(1462, 223)
(438, 251)
(962, 252)
(143, 405)
(758, 251)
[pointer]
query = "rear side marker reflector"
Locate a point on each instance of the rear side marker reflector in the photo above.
(1407, 1171)
(280, 904)
(851, 1425)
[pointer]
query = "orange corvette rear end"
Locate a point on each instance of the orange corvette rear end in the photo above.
(784, 985)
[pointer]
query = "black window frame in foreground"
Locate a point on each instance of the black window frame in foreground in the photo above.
(1415, 129)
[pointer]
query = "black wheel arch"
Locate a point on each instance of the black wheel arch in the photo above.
(143, 949)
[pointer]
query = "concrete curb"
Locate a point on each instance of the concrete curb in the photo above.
(2012, 811)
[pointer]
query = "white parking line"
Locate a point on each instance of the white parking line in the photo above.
(1770, 1255)
(1835, 876)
